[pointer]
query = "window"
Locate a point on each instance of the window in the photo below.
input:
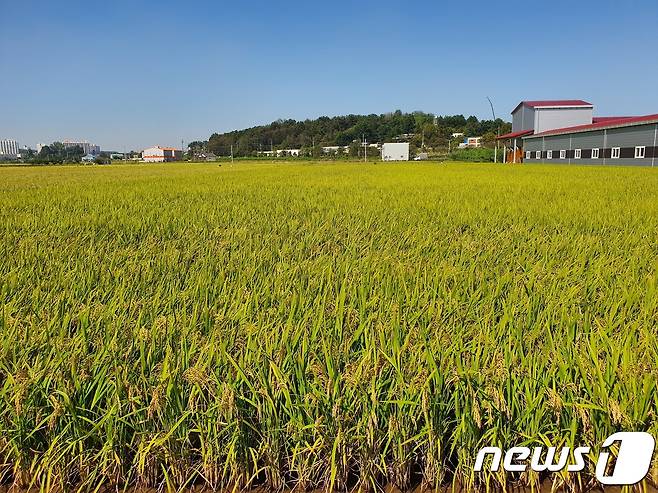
(616, 151)
(595, 153)
(527, 154)
(577, 153)
(549, 154)
(640, 152)
(563, 154)
(538, 155)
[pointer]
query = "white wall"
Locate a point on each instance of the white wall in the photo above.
(523, 118)
(552, 118)
(395, 151)
(153, 155)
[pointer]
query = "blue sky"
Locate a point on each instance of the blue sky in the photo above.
(129, 74)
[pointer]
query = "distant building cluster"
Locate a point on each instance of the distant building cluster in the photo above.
(330, 150)
(346, 149)
(335, 149)
(87, 148)
(9, 148)
(288, 152)
(281, 152)
(205, 156)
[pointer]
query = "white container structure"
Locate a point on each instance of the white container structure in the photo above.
(395, 151)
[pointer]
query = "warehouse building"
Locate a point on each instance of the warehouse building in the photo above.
(158, 154)
(567, 132)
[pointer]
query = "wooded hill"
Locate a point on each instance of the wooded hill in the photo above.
(418, 128)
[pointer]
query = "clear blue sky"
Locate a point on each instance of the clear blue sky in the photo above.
(129, 74)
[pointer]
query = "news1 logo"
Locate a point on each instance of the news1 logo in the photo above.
(632, 464)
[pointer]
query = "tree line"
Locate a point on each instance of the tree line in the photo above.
(422, 130)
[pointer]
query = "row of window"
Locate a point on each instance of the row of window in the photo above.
(640, 153)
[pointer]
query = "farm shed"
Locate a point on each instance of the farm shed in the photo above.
(566, 131)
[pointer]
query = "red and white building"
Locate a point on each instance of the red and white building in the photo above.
(158, 154)
(471, 142)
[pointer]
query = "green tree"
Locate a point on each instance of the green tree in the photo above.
(355, 149)
(489, 139)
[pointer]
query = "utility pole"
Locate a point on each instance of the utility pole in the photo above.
(493, 113)
(231, 154)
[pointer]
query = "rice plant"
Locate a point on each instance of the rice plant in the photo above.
(331, 326)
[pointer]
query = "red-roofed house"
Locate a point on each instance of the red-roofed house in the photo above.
(566, 131)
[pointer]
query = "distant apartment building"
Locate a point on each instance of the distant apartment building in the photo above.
(158, 154)
(87, 148)
(9, 148)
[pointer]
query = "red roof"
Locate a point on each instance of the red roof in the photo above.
(513, 135)
(600, 119)
(621, 122)
(553, 102)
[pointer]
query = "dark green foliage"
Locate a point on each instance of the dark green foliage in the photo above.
(58, 153)
(477, 155)
(309, 135)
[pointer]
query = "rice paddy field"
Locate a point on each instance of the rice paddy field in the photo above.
(320, 326)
